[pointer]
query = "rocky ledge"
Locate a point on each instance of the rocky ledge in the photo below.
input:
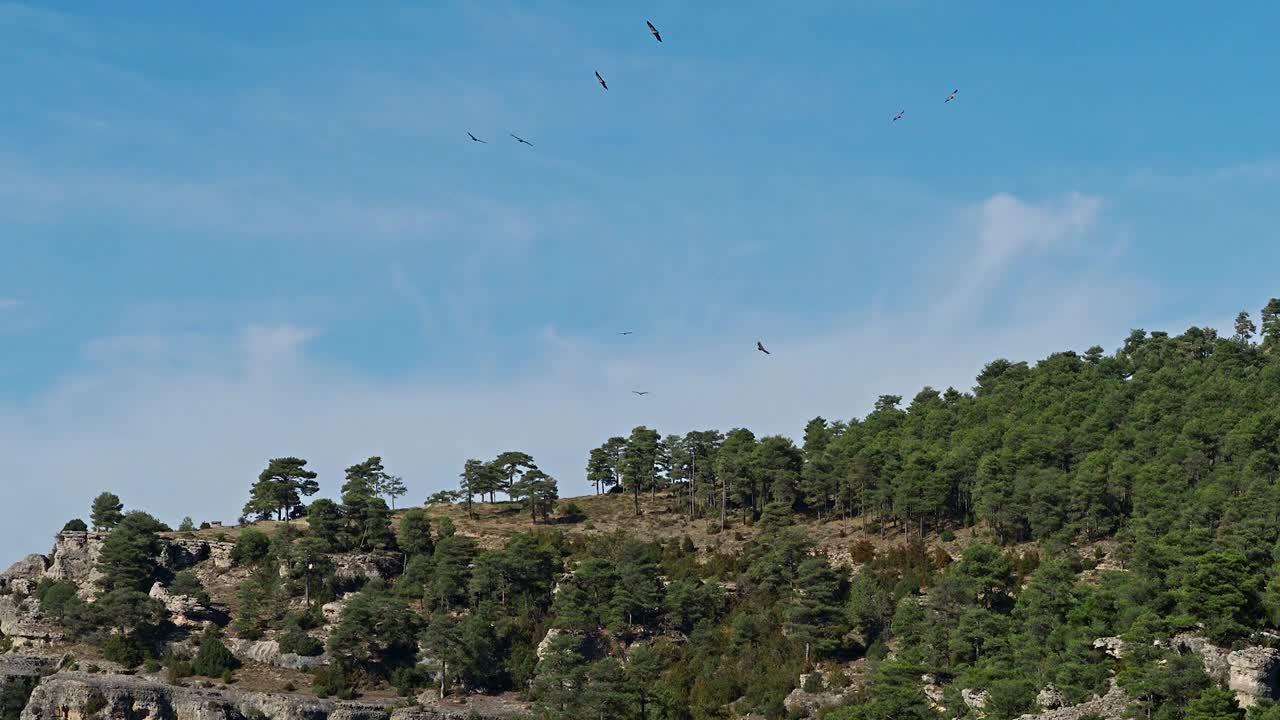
(81, 696)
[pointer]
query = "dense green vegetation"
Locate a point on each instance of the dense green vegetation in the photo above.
(1168, 449)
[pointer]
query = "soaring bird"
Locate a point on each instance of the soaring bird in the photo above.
(760, 347)
(627, 332)
(517, 137)
(952, 96)
(653, 30)
(600, 80)
(898, 117)
(640, 392)
(476, 139)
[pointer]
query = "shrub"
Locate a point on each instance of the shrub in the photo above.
(228, 677)
(948, 536)
(407, 680)
(75, 525)
(56, 597)
(296, 641)
(812, 683)
(862, 551)
(151, 665)
(186, 583)
(251, 546)
(92, 668)
(329, 681)
(213, 659)
(122, 649)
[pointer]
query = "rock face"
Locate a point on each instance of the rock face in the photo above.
(1252, 673)
(187, 611)
(81, 696)
(23, 575)
(21, 622)
(367, 566)
(545, 646)
(268, 652)
(1050, 698)
(1110, 706)
(75, 557)
(799, 702)
(975, 699)
(1112, 646)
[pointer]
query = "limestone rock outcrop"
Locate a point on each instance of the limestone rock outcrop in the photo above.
(1110, 706)
(1112, 646)
(975, 699)
(80, 696)
(186, 611)
(75, 557)
(1050, 698)
(24, 575)
(268, 652)
(1253, 673)
(21, 622)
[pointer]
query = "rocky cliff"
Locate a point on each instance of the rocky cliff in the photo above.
(81, 696)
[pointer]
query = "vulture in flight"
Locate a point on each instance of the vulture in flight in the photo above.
(654, 30)
(475, 139)
(640, 392)
(517, 137)
(600, 80)
(626, 332)
(760, 347)
(952, 96)
(898, 117)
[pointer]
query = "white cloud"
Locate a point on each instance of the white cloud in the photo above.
(1009, 229)
(182, 425)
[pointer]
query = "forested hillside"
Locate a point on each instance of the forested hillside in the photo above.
(1089, 518)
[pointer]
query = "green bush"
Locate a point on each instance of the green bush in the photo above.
(75, 525)
(298, 642)
(151, 665)
(948, 536)
(251, 547)
(331, 681)
(124, 650)
(213, 659)
(186, 583)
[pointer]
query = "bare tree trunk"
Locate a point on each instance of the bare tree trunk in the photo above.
(724, 497)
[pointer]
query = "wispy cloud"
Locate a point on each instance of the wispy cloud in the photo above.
(1009, 229)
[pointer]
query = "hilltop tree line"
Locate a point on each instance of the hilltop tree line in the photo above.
(1170, 447)
(1079, 444)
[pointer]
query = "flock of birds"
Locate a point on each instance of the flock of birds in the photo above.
(600, 79)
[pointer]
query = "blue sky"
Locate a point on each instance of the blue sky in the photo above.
(237, 231)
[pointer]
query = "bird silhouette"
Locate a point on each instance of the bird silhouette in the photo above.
(640, 392)
(653, 30)
(600, 80)
(898, 117)
(517, 137)
(627, 332)
(476, 139)
(760, 347)
(952, 96)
